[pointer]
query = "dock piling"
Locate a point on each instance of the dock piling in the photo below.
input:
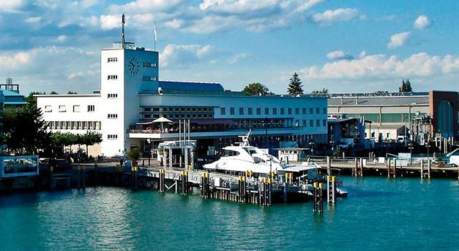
(331, 189)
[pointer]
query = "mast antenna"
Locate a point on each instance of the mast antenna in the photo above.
(155, 34)
(123, 41)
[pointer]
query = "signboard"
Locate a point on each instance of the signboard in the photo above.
(18, 166)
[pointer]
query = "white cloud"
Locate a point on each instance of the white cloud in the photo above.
(337, 15)
(33, 20)
(14, 60)
(208, 16)
(421, 22)
(108, 22)
(11, 5)
(183, 55)
(237, 57)
(398, 40)
(380, 66)
(61, 38)
(142, 6)
(338, 55)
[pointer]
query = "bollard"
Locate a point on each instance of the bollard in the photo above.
(328, 165)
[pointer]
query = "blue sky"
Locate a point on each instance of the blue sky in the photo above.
(343, 46)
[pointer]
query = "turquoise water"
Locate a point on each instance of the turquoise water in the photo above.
(378, 214)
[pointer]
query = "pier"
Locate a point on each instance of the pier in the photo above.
(392, 167)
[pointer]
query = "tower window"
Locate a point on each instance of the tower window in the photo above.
(91, 108)
(112, 59)
(112, 77)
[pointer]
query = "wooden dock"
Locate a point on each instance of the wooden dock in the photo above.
(245, 189)
(392, 167)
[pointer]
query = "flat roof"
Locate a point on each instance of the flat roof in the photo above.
(67, 95)
(414, 100)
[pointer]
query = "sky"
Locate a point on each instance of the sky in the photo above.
(342, 46)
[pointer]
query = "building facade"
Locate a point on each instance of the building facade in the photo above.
(392, 116)
(131, 96)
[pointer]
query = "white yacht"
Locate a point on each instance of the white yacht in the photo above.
(244, 157)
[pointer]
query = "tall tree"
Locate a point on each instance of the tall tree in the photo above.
(25, 130)
(255, 89)
(295, 87)
(406, 86)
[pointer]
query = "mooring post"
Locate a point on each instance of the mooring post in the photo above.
(162, 184)
(422, 169)
(170, 158)
(318, 200)
(331, 189)
(328, 165)
(356, 163)
(389, 162)
(361, 168)
(429, 168)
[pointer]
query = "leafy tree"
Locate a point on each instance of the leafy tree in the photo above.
(60, 140)
(53, 92)
(295, 87)
(255, 89)
(406, 86)
(25, 130)
(323, 92)
(71, 92)
(134, 154)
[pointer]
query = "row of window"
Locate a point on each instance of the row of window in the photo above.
(179, 116)
(177, 109)
(145, 64)
(145, 78)
(273, 111)
(75, 108)
(74, 125)
(150, 78)
(112, 136)
(112, 95)
(112, 116)
(383, 117)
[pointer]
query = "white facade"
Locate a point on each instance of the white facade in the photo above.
(130, 87)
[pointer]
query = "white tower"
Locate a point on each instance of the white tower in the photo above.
(126, 71)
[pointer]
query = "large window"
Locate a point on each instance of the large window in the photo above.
(222, 111)
(91, 108)
(62, 108)
(112, 77)
(76, 108)
(112, 59)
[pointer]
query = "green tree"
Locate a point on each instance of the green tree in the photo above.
(134, 154)
(255, 89)
(323, 92)
(295, 87)
(25, 130)
(406, 86)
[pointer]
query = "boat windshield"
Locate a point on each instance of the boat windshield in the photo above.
(229, 153)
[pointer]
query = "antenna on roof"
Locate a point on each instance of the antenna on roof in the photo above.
(155, 34)
(123, 41)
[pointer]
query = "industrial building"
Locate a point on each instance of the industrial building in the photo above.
(132, 97)
(392, 116)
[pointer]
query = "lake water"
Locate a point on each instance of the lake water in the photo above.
(378, 214)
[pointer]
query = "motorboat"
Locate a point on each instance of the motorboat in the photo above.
(243, 157)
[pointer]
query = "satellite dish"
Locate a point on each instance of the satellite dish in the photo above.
(160, 91)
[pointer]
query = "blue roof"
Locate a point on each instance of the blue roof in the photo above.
(186, 87)
(8, 93)
(12, 98)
